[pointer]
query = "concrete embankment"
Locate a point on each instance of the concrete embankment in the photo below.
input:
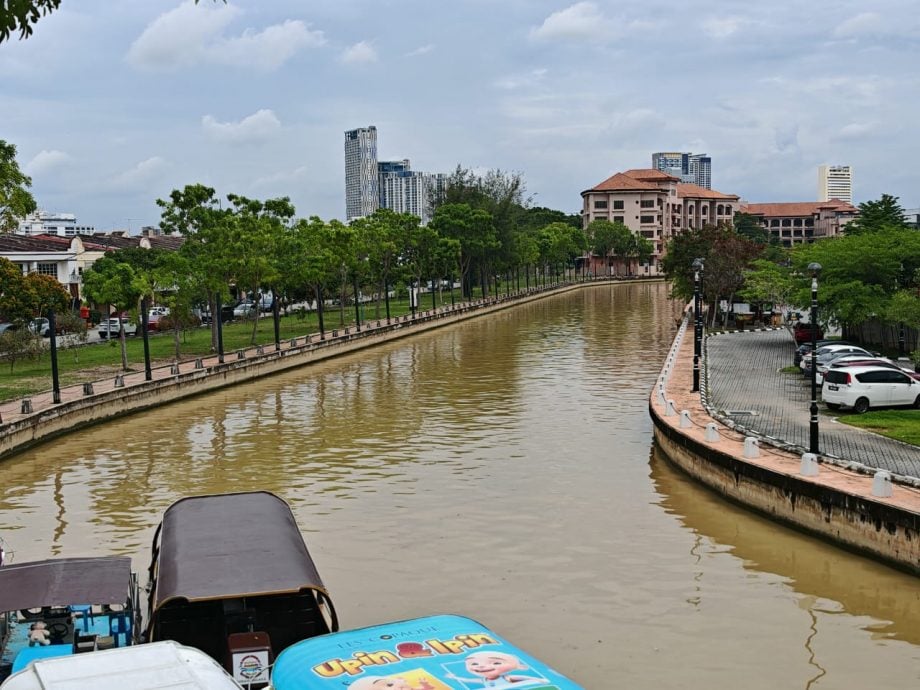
(26, 423)
(870, 515)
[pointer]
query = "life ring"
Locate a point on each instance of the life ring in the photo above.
(58, 631)
(35, 614)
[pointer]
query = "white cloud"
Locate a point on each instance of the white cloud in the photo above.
(722, 27)
(517, 81)
(192, 34)
(280, 179)
(860, 24)
(421, 50)
(257, 127)
(359, 53)
(142, 175)
(46, 161)
(856, 130)
(581, 21)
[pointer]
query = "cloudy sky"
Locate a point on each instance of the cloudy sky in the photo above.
(114, 104)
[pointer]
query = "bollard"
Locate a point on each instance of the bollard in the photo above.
(293, 342)
(87, 389)
(174, 370)
(881, 484)
(335, 333)
(662, 400)
(199, 364)
(27, 406)
(751, 448)
(378, 323)
(241, 354)
(260, 350)
(119, 381)
(810, 466)
(712, 433)
(346, 330)
(669, 409)
(685, 422)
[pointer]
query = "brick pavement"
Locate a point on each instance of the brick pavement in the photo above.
(742, 374)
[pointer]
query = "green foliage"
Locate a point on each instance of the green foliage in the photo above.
(15, 200)
(46, 293)
(903, 425)
(750, 226)
(766, 282)
(19, 344)
(881, 214)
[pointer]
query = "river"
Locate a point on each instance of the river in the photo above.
(501, 469)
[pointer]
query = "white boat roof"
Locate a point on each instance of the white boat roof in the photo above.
(153, 666)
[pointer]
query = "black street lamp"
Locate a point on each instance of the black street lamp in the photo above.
(697, 324)
(814, 269)
(145, 324)
(55, 378)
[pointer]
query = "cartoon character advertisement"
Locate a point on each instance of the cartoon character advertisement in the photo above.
(435, 653)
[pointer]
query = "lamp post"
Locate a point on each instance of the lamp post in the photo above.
(814, 269)
(145, 324)
(697, 323)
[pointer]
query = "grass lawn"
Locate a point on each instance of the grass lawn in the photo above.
(94, 361)
(903, 425)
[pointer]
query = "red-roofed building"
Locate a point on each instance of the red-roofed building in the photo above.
(803, 221)
(655, 205)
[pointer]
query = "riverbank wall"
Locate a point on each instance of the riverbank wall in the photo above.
(28, 422)
(870, 515)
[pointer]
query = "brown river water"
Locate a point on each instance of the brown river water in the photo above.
(501, 469)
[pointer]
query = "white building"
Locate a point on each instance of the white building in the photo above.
(361, 193)
(691, 168)
(404, 190)
(61, 224)
(835, 182)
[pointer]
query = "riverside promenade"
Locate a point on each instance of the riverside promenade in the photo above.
(857, 507)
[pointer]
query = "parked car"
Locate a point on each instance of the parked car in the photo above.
(825, 360)
(804, 349)
(153, 321)
(4, 327)
(802, 332)
(862, 388)
(244, 309)
(113, 325)
(855, 361)
(162, 311)
(828, 352)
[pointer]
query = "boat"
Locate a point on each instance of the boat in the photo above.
(230, 575)
(445, 652)
(155, 666)
(65, 606)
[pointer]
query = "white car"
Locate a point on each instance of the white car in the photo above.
(861, 388)
(112, 326)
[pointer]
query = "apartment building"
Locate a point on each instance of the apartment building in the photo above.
(835, 182)
(803, 221)
(60, 224)
(404, 190)
(692, 168)
(656, 205)
(361, 194)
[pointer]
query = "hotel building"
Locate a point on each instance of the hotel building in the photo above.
(835, 182)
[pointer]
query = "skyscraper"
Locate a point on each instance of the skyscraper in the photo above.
(407, 191)
(361, 191)
(835, 182)
(694, 168)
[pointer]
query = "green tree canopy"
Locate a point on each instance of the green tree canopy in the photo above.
(15, 200)
(877, 215)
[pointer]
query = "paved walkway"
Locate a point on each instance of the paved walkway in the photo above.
(743, 376)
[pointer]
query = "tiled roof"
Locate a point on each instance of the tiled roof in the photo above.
(37, 243)
(623, 182)
(650, 174)
(685, 189)
(798, 208)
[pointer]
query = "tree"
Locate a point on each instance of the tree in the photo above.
(46, 293)
(877, 215)
(115, 283)
(766, 282)
(15, 200)
(15, 303)
(749, 226)
(604, 237)
(475, 231)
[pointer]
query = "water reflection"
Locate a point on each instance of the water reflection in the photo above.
(831, 580)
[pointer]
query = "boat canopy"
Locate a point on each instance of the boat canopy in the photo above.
(65, 581)
(230, 545)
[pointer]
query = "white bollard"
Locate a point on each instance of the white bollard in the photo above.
(662, 400)
(685, 422)
(712, 433)
(669, 409)
(810, 467)
(881, 484)
(751, 448)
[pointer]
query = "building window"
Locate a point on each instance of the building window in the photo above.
(600, 204)
(720, 209)
(618, 205)
(48, 270)
(787, 223)
(647, 219)
(647, 203)
(618, 219)
(774, 223)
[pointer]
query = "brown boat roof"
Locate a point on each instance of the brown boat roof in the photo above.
(231, 545)
(65, 581)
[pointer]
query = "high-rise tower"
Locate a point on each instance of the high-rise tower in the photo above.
(835, 182)
(361, 191)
